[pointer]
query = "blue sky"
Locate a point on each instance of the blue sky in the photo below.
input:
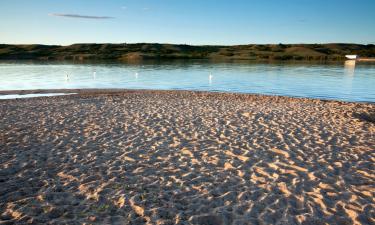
(224, 22)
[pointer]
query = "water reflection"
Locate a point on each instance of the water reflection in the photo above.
(327, 81)
(14, 96)
(350, 67)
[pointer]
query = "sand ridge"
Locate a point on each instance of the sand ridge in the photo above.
(178, 157)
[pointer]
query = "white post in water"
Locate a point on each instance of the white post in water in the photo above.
(136, 75)
(210, 78)
(94, 74)
(67, 78)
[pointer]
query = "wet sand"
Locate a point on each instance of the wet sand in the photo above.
(178, 157)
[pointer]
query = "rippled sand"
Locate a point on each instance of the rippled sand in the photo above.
(164, 157)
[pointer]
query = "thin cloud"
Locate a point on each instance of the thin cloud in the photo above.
(78, 16)
(124, 7)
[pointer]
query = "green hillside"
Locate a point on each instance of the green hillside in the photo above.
(130, 52)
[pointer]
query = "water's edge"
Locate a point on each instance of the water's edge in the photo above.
(114, 91)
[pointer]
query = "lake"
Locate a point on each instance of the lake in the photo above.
(339, 81)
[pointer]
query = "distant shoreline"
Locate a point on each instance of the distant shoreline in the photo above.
(148, 51)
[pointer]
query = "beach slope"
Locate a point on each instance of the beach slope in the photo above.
(179, 157)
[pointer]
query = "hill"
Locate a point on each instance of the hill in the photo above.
(141, 51)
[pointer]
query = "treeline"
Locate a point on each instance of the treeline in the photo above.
(124, 52)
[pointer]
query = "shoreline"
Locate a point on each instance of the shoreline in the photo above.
(182, 157)
(144, 51)
(186, 61)
(109, 91)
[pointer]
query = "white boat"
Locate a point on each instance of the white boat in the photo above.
(351, 56)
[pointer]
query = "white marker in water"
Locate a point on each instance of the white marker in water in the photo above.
(136, 75)
(67, 78)
(210, 77)
(94, 74)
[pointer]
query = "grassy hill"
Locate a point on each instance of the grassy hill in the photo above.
(130, 52)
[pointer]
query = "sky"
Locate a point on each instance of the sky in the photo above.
(195, 22)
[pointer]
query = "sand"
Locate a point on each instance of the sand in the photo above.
(178, 157)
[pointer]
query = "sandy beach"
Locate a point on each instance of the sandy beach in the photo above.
(179, 157)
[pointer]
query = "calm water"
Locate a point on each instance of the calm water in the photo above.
(338, 81)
